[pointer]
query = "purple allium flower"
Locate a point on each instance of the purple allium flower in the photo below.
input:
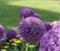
(48, 26)
(26, 12)
(51, 40)
(31, 29)
(1, 31)
(11, 34)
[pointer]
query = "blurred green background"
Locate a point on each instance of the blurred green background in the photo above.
(48, 10)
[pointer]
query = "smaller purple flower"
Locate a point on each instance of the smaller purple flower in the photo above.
(1, 31)
(11, 34)
(26, 12)
(48, 26)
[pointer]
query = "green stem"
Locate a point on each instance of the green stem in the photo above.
(22, 46)
(27, 47)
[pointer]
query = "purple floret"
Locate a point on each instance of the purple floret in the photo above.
(51, 40)
(11, 34)
(1, 31)
(31, 29)
(27, 12)
(48, 26)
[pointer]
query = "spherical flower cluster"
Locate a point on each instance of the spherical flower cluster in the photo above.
(48, 26)
(31, 29)
(26, 12)
(51, 40)
(1, 31)
(11, 34)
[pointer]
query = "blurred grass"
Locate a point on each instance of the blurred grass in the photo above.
(48, 10)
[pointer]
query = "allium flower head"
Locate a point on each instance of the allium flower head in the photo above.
(48, 26)
(11, 34)
(51, 40)
(1, 31)
(26, 12)
(31, 29)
